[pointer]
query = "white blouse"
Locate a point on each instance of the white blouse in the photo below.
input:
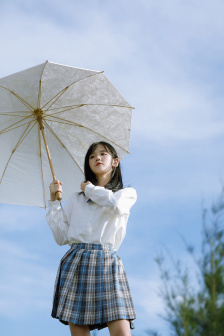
(99, 216)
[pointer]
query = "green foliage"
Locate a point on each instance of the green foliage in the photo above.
(194, 306)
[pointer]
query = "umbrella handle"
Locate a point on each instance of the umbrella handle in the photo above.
(58, 193)
(59, 197)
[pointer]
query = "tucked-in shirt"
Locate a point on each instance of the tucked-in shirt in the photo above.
(97, 216)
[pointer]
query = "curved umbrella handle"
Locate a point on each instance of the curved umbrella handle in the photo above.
(59, 197)
(58, 193)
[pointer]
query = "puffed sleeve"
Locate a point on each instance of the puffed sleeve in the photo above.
(58, 219)
(119, 202)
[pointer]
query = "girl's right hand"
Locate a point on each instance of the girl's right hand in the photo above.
(55, 186)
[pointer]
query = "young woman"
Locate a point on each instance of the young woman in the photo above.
(91, 289)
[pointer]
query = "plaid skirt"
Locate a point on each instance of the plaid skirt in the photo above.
(91, 287)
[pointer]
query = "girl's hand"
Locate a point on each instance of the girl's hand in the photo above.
(55, 186)
(83, 185)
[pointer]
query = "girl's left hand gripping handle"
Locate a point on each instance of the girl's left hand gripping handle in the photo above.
(56, 190)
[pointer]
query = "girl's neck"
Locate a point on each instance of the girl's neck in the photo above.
(103, 179)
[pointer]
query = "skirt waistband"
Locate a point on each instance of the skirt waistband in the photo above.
(90, 246)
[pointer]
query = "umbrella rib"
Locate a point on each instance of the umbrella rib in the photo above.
(39, 92)
(15, 127)
(23, 136)
(18, 97)
(53, 133)
(41, 164)
(13, 114)
(8, 129)
(81, 105)
(19, 142)
(68, 108)
(67, 122)
(58, 95)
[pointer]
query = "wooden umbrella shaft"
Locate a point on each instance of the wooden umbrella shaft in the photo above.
(40, 121)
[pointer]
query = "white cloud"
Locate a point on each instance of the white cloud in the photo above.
(18, 218)
(12, 250)
(24, 283)
(181, 113)
(147, 303)
(87, 40)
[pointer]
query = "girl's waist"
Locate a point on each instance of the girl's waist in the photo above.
(92, 246)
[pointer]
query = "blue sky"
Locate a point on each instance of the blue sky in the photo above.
(166, 59)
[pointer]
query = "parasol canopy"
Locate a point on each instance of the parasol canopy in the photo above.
(55, 112)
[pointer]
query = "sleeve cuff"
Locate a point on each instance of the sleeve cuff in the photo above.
(88, 189)
(54, 205)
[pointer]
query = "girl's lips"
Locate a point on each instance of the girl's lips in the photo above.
(98, 164)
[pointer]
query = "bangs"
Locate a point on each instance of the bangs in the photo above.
(94, 146)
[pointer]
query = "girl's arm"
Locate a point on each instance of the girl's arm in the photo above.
(119, 202)
(58, 219)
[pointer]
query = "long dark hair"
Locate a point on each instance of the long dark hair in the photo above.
(115, 182)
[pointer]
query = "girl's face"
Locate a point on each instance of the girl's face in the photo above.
(101, 162)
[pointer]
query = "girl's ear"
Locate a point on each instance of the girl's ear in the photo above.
(115, 162)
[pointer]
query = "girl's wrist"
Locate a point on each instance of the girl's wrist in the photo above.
(83, 185)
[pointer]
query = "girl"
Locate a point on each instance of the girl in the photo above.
(91, 289)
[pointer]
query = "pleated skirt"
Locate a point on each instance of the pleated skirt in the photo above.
(91, 287)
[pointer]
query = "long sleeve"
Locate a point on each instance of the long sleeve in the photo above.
(102, 221)
(119, 202)
(58, 220)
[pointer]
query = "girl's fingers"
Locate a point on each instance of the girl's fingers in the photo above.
(55, 186)
(56, 182)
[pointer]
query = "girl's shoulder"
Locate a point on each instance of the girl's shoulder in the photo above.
(128, 192)
(127, 189)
